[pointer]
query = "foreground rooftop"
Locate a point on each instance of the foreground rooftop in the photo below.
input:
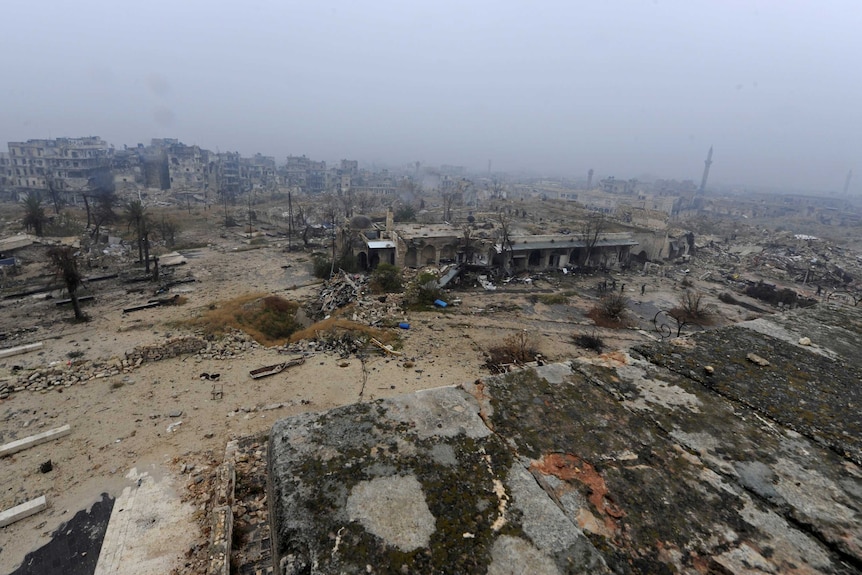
(624, 463)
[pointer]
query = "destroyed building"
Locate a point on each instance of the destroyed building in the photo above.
(556, 251)
(65, 165)
(304, 174)
(419, 245)
(6, 178)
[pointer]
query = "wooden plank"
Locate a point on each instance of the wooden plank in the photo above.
(140, 307)
(387, 348)
(21, 349)
(27, 442)
(82, 298)
(23, 511)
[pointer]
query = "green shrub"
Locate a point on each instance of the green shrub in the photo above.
(405, 213)
(386, 278)
(422, 291)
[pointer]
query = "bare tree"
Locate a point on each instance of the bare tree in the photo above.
(468, 244)
(53, 190)
(505, 241)
(365, 202)
(591, 230)
(302, 217)
(103, 211)
(449, 199)
(137, 216)
(66, 266)
(168, 229)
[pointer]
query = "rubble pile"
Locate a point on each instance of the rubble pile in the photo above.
(343, 345)
(231, 345)
(804, 260)
(372, 311)
(341, 290)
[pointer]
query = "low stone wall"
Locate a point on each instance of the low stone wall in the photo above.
(171, 348)
(61, 375)
(222, 514)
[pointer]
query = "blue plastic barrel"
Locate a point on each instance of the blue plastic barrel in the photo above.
(404, 325)
(440, 303)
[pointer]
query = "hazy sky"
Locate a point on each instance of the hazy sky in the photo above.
(624, 87)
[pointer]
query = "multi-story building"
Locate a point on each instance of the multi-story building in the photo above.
(229, 174)
(307, 175)
(64, 164)
(259, 172)
(5, 171)
(187, 166)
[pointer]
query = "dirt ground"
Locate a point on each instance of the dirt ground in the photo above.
(121, 422)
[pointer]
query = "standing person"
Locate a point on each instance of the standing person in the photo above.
(622, 288)
(643, 288)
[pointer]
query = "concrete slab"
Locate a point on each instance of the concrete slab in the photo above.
(149, 529)
(585, 467)
(23, 511)
(9, 351)
(27, 442)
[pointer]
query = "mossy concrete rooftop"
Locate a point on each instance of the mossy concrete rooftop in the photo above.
(628, 462)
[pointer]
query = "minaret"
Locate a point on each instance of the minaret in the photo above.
(590, 179)
(847, 182)
(706, 166)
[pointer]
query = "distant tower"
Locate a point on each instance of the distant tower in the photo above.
(590, 179)
(847, 182)
(706, 166)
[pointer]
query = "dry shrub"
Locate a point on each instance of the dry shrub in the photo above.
(269, 319)
(610, 311)
(518, 348)
(692, 308)
(589, 341)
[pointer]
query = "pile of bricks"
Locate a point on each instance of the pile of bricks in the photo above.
(230, 346)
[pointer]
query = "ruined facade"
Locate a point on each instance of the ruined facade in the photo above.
(62, 164)
(556, 251)
(305, 174)
(418, 245)
(5, 171)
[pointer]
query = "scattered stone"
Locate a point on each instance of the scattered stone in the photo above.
(756, 359)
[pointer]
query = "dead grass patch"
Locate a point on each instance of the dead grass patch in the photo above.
(602, 320)
(269, 319)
